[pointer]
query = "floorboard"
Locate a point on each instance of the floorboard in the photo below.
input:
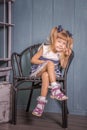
(49, 121)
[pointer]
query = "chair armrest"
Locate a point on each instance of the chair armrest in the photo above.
(16, 66)
(69, 63)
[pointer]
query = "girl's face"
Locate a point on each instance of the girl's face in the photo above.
(60, 45)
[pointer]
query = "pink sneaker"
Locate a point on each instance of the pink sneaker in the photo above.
(57, 94)
(38, 111)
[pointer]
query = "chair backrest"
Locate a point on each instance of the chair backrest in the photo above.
(21, 62)
(69, 63)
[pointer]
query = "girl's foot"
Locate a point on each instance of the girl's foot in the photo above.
(38, 111)
(57, 94)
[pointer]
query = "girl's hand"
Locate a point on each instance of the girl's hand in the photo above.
(67, 51)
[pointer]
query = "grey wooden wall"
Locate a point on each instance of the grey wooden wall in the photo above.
(33, 21)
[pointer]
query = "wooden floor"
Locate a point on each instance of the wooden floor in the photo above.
(49, 121)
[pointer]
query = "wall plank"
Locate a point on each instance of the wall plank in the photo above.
(42, 19)
(33, 25)
(23, 24)
(80, 66)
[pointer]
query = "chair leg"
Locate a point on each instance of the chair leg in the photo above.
(29, 100)
(64, 114)
(64, 107)
(14, 106)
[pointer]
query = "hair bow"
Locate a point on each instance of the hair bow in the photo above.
(70, 34)
(59, 29)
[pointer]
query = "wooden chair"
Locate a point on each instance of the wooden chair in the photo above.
(19, 61)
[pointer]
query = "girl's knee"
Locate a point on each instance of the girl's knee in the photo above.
(50, 63)
(45, 74)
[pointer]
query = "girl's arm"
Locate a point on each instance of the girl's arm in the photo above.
(35, 58)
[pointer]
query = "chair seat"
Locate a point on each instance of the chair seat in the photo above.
(27, 78)
(35, 79)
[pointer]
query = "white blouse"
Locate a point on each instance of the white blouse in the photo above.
(47, 53)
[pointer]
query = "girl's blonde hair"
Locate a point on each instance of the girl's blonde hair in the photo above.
(65, 35)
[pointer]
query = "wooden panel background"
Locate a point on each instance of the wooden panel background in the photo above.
(33, 21)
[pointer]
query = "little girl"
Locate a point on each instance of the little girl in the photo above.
(46, 65)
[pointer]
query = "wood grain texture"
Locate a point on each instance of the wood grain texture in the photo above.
(52, 121)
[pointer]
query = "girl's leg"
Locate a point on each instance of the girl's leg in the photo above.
(45, 84)
(42, 99)
(55, 91)
(48, 75)
(51, 71)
